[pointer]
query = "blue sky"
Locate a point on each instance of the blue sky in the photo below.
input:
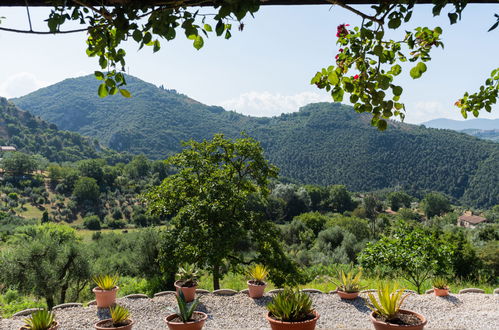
(266, 69)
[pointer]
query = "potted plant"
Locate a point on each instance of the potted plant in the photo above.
(120, 320)
(105, 292)
(187, 282)
(291, 309)
(256, 286)
(186, 318)
(40, 320)
(440, 286)
(348, 285)
(386, 313)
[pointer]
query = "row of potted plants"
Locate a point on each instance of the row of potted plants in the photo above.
(288, 307)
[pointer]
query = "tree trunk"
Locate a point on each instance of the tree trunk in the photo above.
(216, 276)
(50, 302)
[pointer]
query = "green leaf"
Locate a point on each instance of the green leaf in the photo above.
(157, 46)
(102, 90)
(219, 28)
(397, 90)
(452, 18)
(421, 67)
(337, 94)
(137, 35)
(99, 75)
(125, 93)
(208, 28)
(198, 42)
(396, 69)
(394, 23)
(333, 78)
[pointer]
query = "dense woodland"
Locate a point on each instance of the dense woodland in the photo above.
(325, 143)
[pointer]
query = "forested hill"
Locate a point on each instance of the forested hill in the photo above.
(323, 143)
(33, 135)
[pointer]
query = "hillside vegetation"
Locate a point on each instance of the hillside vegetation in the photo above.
(324, 143)
(35, 136)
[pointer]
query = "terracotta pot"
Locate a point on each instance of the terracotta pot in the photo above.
(54, 327)
(347, 295)
(441, 292)
(105, 298)
(195, 325)
(305, 325)
(189, 292)
(99, 325)
(379, 325)
(256, 291)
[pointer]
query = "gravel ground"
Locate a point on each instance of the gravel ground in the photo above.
(459, 311)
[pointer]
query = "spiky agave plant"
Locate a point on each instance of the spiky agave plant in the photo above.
(348, 282)
(106, 282)
(258, 273)
(40, 320)
(185, 309)
(119, 315)
(390, 300)
(290, 305)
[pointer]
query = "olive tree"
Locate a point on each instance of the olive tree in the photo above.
(47, 261)
(211, 199)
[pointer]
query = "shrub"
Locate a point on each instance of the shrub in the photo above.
(92, 222)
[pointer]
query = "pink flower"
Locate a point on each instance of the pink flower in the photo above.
(341, 50)
(341, 30)
(356, 76)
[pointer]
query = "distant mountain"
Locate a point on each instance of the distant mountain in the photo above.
(323, 143)
(32, 135)
(492, 134)
(459, 125)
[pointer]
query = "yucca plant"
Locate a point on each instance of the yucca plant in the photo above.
(290, 305)
(40, 320)
(348, 282)
(440, 283)
(106, 282)
(119, 315)
(258, 273)
(390, 300)
(185, 309)
(188, 275)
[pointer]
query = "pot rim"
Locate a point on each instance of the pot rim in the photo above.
(403, 311)
(446, 288)
(97, 289)
(51, 328)
(270, 319)
(338, 290)
(186, 287)
(205, 316)
(122, 327)
(264, 283)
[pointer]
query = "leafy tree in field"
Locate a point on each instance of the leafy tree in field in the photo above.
(412, 252)
(313, 220)
(373, 207)
(435, 204)
(86, 190)
(47, 261)
(398, 199)
(18, 163)
(209, 196)
(92, 168)
(340, 199)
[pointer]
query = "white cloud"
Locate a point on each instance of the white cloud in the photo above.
(20, 84)
(267, 104)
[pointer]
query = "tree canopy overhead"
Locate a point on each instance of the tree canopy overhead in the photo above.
(365, 68)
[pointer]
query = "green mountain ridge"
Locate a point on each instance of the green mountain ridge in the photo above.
(32, 135)
(323, 143)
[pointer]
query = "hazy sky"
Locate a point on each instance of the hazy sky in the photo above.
(266, 69)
